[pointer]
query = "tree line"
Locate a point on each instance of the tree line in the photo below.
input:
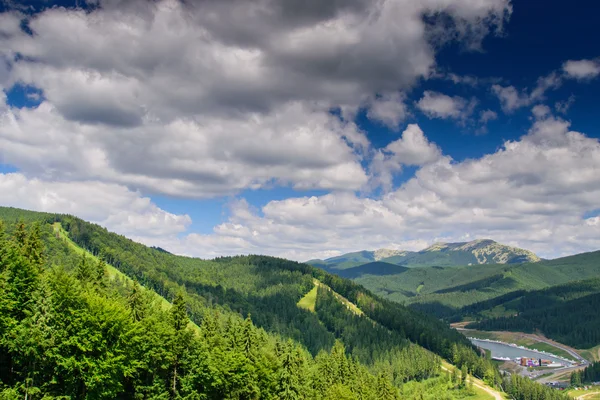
(76, 333)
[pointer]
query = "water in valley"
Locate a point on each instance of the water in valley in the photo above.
(506, 350)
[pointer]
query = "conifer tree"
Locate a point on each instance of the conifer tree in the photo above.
(33, 247)
(179, 322)
(385, 390)
(20, 234)
(100, 274)
(84, 271)
(136, 302)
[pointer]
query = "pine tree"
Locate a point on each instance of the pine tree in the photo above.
(385, 390)
(288, 385)
(248, 337)
(20, 235)
(34, 247)
(136, 302)
(463, 376)
(100, 274)
(85, 271)
(182, 337)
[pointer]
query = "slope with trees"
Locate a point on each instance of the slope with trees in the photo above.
(123, 334)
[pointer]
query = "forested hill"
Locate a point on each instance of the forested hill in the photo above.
(65, 327)
(566, 313)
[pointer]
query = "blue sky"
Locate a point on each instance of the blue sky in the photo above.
(306, 132)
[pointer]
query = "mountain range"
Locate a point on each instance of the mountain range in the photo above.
(481, 251)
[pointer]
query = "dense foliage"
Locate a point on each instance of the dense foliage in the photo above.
(589, 374)
(269, 288)
(75, 332)
(574, 322)
(521, 388)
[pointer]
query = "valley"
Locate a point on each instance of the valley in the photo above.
(317, 310)
(319, 316)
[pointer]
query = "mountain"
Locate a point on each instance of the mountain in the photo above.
(91, 310)
(357, 258)
(483, 251)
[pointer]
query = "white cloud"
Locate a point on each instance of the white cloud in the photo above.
(390, 109)
(531, 193)
(486, 116)
(110, 205)
(563, 106)
(214, 156)
(540, 111)
(510, 98)
(412, 149)
(582, 69)
(439, 105)
(205, 99)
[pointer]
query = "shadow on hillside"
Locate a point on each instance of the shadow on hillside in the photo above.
(377, 268)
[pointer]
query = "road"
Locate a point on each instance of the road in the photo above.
(568, 349)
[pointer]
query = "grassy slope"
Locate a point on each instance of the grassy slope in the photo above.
(113, 273)
(308, 302)
(482, 391)
(592, 354)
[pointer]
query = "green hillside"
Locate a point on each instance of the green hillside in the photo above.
(566, 313)
(459, 286)
(382, 343)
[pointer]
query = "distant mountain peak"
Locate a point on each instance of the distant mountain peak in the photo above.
(380, 254)
(487, 251)
(479, 251)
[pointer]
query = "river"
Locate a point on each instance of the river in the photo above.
(506, 350)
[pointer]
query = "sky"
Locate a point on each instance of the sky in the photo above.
(306, 129)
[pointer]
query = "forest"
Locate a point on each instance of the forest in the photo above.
(574, 322)
(589, 374)
(96, 325)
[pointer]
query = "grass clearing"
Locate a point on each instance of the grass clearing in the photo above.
(481, 389)
(309, 300)
(592, 354)
(590, 394)
(351, 306)
(113, 273)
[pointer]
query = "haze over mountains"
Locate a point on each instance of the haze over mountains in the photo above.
(481, 251)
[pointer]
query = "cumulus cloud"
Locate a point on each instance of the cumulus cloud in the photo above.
(487, 115)
(208, 98)
(525, 194)
(439, 105)
(411, 149)
(389, 109)
(113, 206)
(582, 69)
(510, 98)
(297, 146)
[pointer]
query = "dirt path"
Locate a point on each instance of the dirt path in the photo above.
(476, 382)
(586, 395)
